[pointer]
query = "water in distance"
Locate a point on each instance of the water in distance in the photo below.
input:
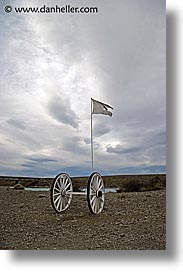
(107, 190)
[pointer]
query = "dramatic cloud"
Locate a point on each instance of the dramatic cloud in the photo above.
(60, 109)
(50, 67)
(118, 149)
(17, 124)
(101, 129)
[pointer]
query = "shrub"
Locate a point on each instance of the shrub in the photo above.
(133, 185)
(18, 186)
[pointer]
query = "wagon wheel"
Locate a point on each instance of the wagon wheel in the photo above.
(61, 192)
(95, 193)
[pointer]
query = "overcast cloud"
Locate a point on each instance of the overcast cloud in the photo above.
(50, 67)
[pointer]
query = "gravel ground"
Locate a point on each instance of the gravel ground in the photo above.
(130, 221)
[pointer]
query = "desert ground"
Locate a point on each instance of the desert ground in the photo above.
(134, 218)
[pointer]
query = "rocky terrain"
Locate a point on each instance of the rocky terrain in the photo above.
(129, 221)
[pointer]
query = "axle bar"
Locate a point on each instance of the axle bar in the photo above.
(77, 193)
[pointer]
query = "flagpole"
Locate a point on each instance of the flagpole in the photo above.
(91, 137)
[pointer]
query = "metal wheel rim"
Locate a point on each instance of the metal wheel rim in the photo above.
(96, 193)
(61, 192)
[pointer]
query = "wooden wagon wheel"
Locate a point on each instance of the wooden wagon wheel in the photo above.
(95, 193)
(61, 192)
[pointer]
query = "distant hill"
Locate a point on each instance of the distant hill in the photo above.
(125, 183)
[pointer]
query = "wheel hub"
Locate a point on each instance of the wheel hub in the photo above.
(99, 194)
(63, 193)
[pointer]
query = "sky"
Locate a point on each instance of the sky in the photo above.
(50, 67)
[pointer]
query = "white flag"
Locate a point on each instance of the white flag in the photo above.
(100, 108)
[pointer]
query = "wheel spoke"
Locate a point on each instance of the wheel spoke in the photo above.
(67, 186)
(68, 193)
(61, 184)
(97, 181)
(56, 194)
(68, 198)
(100, 187)
(93, 189)
(58, 184)
(96, 205)
(57, 189)
(60, 204)
(93, 200)
(94, 184)
(63, 203)
(94, 208)
(65, 181)
(62, 180)
(57, 199)
(57, 203)
(102, 200)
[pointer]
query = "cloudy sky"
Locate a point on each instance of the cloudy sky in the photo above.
(50, 67)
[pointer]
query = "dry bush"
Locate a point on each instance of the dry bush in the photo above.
(137, 185)
(132, 185)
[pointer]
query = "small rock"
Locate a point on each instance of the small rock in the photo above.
(41, 196)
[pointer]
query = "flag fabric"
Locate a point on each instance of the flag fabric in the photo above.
(101, 108)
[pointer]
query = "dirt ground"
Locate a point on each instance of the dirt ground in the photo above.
(129, 221)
